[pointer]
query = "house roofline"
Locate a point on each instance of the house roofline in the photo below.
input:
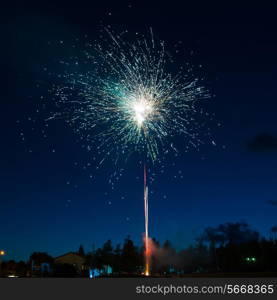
(67, 254)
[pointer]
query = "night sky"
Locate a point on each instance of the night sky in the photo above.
(49, 202)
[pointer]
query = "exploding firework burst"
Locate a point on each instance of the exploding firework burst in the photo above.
(129, 101)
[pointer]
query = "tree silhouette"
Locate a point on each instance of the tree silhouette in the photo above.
(41, 257)
(130, 257)
(236, 233)
(117, 262)
(273, 231)
(107, 253)
(81, 251)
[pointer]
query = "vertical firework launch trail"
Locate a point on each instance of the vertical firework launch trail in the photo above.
(146, 241)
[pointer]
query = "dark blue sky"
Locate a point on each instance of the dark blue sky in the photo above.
(48, 203)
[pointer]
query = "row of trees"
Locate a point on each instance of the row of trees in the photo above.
(229, 247)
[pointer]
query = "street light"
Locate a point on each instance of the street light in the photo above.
(2, 253)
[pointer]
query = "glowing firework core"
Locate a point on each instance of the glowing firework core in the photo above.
(142, 109)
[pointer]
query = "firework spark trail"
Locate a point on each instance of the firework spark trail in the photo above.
(147, 248)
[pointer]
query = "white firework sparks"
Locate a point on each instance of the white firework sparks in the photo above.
(129, 101)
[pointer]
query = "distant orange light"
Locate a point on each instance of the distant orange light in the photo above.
(2, 252)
